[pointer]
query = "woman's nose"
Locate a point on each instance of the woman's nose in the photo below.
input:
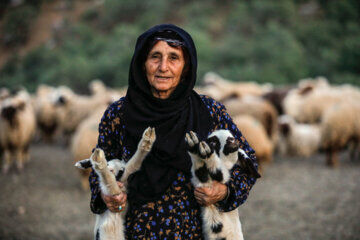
(163, 65)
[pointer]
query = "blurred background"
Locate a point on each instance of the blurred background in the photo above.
(288, 72)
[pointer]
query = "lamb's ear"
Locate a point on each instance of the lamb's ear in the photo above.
(247, 165)
(83, 164)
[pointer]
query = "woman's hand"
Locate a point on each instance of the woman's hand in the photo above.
(115, 203)
(207, 196)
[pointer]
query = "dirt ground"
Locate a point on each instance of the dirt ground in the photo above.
(295, 199)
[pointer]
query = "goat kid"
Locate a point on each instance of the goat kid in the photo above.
(110, 225)
(212, 160)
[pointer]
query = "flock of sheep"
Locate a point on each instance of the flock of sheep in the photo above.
(296, 120)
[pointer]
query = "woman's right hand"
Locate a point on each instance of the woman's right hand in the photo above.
(114, 202)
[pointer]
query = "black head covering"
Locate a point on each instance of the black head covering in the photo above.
(172, 118)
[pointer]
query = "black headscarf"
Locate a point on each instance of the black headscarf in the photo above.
(172, 118)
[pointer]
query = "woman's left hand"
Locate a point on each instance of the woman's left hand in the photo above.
(207, 196)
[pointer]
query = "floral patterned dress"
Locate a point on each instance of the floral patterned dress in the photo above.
(176, 215)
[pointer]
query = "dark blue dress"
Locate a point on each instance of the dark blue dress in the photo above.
(176, 215)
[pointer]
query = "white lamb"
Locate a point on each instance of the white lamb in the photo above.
(298, 139)
(110, 225)
(212, 161)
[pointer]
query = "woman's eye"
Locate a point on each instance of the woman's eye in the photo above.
(174, 57)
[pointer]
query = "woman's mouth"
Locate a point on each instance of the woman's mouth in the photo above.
(162, 77)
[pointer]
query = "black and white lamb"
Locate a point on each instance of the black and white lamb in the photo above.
(110, 225)
(212, 160)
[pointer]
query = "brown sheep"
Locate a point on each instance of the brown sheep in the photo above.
(260, 109)
(255, 134)
(84, 140)
(340, 126)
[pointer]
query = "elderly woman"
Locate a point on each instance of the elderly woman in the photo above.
(163, 203)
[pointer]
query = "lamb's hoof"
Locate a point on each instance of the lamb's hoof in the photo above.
(148, 139)
(192, 142)
(98, 159)
(204, 150)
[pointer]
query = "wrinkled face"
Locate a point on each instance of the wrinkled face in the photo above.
(164, 66)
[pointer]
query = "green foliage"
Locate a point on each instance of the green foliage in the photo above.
(263, 41)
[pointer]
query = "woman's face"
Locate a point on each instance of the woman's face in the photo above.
(164, 66)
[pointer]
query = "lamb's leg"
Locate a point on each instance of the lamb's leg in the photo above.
(198, 168)
(144, 147)
(107, 179)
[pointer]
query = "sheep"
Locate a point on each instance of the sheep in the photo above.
(255, 133)
(73, 108)
(98, 88)
(46, 112)
(212, 160)
(83, 141)
(276, 98)
(4, 93)
(298, 139)
(17, 128)
(222, 89)
(308, 104)
(318, 82)
(340, 126)
(110, 225)
(259, 108)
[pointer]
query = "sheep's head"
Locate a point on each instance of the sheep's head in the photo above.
(285, 123)
(10, 108)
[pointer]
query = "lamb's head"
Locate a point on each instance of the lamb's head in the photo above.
(116, 166)
(225, 145)
(227, 148)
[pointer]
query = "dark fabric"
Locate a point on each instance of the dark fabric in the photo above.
(172, 118)
(176, 214)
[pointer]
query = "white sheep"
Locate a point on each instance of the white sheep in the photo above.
(46, 112)
(296, 139)
(221, 89)
(110, 225)
(308, 104)
(72, 109)
(17, 128)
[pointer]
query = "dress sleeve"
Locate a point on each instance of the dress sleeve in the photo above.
(109, 142)
(240, 183)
